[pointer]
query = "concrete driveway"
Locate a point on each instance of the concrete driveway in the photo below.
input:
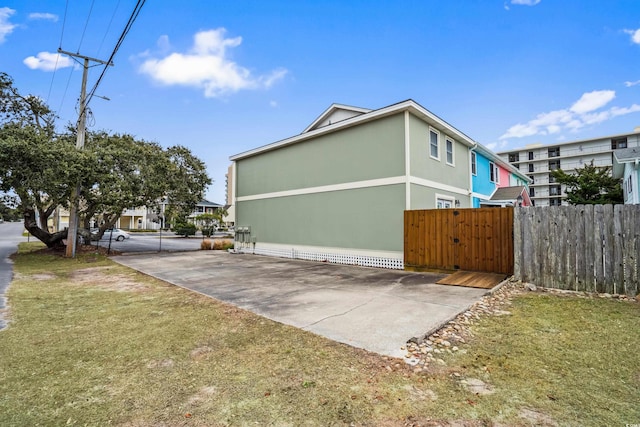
(374, 309)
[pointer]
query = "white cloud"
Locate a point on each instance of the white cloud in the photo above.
(6, 27)
(635, 35)
(580, 114)
(629, 84)
(207, 66)
(47, 61)
(591, 101)
(525, 2)
(43, 17)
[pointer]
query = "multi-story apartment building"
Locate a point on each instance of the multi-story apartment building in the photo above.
(538, 161)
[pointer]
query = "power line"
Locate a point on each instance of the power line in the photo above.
(55, 68)
(127, 28)
(86, 24)
(108, 28)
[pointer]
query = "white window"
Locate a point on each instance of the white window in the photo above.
(494, 173)
(449, 146)
(444, 202)
(474, 167)
(434, 142)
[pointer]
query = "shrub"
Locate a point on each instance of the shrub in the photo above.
(206, 245)
(185, 229)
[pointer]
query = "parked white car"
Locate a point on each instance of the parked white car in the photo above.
(118, 235)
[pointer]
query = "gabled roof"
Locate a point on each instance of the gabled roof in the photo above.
(508, 193)
(335, 113)
(208, 204)
(626, 155)
(408, 105)
(622, 156)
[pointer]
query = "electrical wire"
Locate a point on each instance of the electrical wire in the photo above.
(86, 24)
(127, 28)
(55, 68)
(108, 28)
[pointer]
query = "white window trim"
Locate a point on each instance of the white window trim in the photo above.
(437, 132)
(474, 156)
(496, 173)
(445, 197)
(453, 151)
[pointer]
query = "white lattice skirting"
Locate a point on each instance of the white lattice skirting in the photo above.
(328, 256)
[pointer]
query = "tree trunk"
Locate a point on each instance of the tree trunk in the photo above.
(52, 240)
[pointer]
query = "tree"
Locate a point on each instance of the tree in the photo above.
(207, 222)
(590, 185)
(114, 171)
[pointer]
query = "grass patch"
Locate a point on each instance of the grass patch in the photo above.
(92, 342)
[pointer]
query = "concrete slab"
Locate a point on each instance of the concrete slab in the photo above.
(374, 309)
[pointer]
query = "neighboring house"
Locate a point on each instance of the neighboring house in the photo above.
(626, 165)
(140, 218)
(538, 161)
(490, 173)
(337, 191)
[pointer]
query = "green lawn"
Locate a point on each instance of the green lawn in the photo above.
(93, 343)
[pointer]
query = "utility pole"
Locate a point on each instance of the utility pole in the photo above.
(72, 233)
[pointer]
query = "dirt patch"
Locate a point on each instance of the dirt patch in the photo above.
(164, 363)
(43, 277)
(103, 278)
(202, 395)
(537, 418)
(200, 353)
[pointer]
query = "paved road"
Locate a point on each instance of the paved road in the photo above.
(154, 242)
(10, 236)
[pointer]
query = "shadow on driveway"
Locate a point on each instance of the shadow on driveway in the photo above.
(374, 309)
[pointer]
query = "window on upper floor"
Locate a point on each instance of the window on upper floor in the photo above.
(449, 146)
(554, 152)
(514, 157)
(618, 143)
(494, 173)
(530, 167)
(444, 203)
(532, 192)
(554, 165)
(474, 166)
(434, 142)
(530, 155)
(555, 190)
(552, 179)
(533, 179)
(555, 201)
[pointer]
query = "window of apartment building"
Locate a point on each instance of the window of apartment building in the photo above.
(494, 173)
(530, 167)
(555, 190)
(434, 141)
(554, 152)
(555, 201)
(474, 167)
(533, 178)
(530, 155)
(514, 157)
(532, 192)
(618, 143)
(533, 203)
(449, 146)
(552, 178)
(629, 185)
(554, 165)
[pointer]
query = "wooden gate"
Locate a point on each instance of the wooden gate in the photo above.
(459, 239)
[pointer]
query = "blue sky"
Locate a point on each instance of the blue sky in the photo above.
(225, 77)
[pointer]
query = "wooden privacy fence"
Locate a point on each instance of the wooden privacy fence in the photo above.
(593, 248)
(465, 239)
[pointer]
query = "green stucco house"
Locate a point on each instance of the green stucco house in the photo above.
(337, 191)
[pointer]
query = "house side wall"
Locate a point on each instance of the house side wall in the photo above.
(632, 193)
(481, 182)
(425, 167)
(368, 151)
(364, 218)
(425, 197)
